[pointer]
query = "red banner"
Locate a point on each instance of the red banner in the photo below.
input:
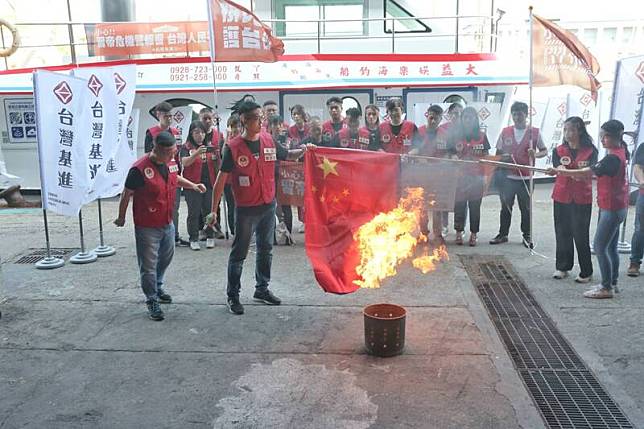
(559, 58)
(137, 38)
(290, 184)
(241, 36)
(340, 195)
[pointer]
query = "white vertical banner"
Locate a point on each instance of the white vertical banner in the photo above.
(63, 127)
(490, 119)
(102, 110)
(553, 122)
(181, 119)
(110, 179)
(628, 92)
(132, 132)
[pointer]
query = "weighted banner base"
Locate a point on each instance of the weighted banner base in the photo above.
(624, 247)
(49, 263)
(103, 251)
(83, 258)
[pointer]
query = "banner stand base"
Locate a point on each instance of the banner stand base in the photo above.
(624, 247)
(103, 251)
(49, 263)
(83, 258)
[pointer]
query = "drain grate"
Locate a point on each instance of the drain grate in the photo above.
(36, 255)
(566, 392)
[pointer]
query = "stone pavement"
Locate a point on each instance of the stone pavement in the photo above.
(77, 349)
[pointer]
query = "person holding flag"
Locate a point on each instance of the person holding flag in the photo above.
(151, 184)
(250, 159)
(352, 137)
(612, 199)
(517, 144)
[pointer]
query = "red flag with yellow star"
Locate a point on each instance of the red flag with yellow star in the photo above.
(344, 189)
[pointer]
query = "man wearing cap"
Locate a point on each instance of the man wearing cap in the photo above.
(152, 183)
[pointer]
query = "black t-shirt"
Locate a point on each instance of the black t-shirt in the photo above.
(135, 179)
(607, 166)
(337, 126)
(148, 143)
(556, 159)
(374, 139)
(228, 163)
(639, 155)
(415, 139)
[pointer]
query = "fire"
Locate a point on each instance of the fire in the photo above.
(390, 238)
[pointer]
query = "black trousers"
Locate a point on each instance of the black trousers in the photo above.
(460, 214)
(572, 225)
(508, 189)
(230, 203)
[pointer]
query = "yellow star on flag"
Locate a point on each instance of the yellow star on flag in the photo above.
(328, 167)
(345, 192)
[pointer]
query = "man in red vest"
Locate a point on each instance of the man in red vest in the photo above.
(214, 138)
(152, 183)
(332, 127)
(162, 113)
(517, 145)
(398, 135)
(250, 159)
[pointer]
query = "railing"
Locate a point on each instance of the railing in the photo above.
(66, 42)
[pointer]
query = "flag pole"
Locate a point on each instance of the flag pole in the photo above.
(82, 257)
(532, 158)
(211, 32)
(102, 250)
(49, 262)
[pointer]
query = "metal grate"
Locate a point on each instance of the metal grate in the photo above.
(36, 255)
(566, 392)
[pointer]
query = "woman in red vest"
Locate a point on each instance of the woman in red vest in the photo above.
(372, 126)
(300, 129)
(472, 146)
(612, 199)
(573, 200)
(200, 162)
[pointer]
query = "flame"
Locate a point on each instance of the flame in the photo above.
(390, 238)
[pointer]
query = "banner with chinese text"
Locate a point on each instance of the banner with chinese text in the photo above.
(63, 127)
(290, 184)
(240, 36)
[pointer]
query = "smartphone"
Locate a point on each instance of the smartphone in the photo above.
(210, 149)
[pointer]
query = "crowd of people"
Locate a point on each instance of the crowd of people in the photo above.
(241, 164)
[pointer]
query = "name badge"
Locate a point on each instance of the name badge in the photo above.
(174, 168)
(583, 164)
(268, 150)
(270, 157)
(244, 181)
(407, 142)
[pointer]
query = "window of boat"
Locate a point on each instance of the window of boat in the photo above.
(401, 20)
(327, 11)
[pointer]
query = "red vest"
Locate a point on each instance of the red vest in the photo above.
(359, 142)
(296, 137)
(154, 132)
(328, 133)
(253, 179)
(472, 150)
(568, 190)
(400, 143)
(153, 203)
(519, 150)
(193, 171)
(436, 147)
(612, 192)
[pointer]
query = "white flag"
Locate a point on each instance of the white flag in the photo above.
(628, 93)
(110, 180)
(102, 110)
(181, 119)
(125, 155)
(62, 126)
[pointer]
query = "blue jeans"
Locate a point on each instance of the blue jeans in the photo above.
(605, 245)
(154, 252)
(637, 242)
(262, 222)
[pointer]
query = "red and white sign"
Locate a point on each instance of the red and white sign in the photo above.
(63, 92)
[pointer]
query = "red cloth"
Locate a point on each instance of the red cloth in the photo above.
(338, 204)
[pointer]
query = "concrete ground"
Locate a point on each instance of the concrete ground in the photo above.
(77, 349)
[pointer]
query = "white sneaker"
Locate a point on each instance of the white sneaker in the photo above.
(599, 292)
(560, 275)
(301, 229)
(445, 231)
(210, 243)
(194, 245)
(580, 279)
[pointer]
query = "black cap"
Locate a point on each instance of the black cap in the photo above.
(165, 139)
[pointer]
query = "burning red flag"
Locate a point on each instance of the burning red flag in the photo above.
(241, 36)
(559, 58)
(344, 189)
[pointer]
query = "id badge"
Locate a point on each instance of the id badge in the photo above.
(244, 181)
(407, 142)
(270, 154)
(174, 168)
